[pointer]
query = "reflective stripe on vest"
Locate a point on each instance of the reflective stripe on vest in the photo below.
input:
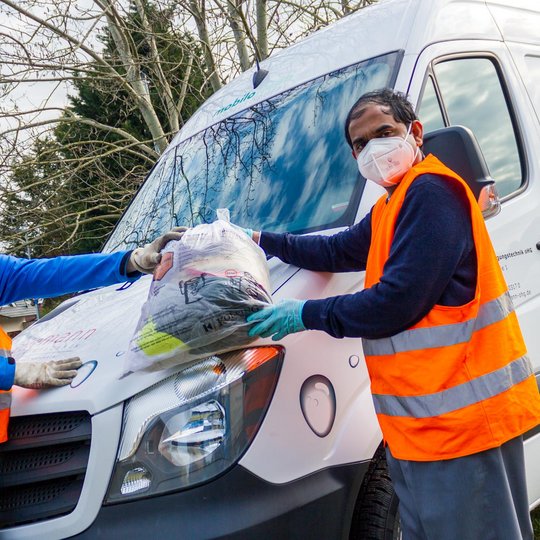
(441, 336)
(459, 396)
(5, 397)
(5, 400)
(458, 381)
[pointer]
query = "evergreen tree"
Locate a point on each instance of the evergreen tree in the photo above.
(67, 196)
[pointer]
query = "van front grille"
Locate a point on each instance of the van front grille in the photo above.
(42, 466)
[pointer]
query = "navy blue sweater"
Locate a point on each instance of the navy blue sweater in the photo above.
(432, 261)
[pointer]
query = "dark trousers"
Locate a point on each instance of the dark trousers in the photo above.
(477, 497)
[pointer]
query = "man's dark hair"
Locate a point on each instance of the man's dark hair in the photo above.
(396, 102)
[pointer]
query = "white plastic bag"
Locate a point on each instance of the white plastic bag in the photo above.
(204, 288)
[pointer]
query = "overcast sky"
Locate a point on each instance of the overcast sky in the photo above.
(34, 95)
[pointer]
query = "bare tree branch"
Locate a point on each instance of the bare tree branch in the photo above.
(135, 72)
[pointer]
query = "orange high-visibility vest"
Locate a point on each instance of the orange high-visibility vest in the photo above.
(5, 396)
(459, 381)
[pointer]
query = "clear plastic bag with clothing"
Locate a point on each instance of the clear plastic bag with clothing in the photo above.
(202, 291)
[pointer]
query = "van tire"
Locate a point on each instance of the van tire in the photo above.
(376, 514)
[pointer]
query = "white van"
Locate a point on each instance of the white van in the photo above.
(281, 441)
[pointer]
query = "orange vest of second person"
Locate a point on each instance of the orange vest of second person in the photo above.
(458, 382)
(5, 396)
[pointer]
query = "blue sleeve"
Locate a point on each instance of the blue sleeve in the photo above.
(44, 278)
(343, 252)
(7, 373)
(432, 261)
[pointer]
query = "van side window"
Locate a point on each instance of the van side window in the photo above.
(429, 112)
(471, 95)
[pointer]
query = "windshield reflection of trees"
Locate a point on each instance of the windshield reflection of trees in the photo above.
(280, 165)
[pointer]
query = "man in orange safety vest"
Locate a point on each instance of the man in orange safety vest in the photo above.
(452, 385)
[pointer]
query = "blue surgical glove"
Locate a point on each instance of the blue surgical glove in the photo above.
(278, 320)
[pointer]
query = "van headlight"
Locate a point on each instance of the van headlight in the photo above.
(195, 424)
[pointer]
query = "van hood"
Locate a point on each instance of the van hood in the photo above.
(96, 327)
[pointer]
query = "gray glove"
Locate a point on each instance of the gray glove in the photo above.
(146, 259)
(46, 374)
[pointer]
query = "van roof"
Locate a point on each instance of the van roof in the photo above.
(389, 25)
(518, 20)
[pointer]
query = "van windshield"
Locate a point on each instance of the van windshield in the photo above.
(280, 165)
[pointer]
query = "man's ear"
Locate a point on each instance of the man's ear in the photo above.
(417, 130)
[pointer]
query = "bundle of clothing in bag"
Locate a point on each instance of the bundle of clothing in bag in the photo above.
(205, 286)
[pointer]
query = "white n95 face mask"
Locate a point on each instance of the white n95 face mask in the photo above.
(386, 160)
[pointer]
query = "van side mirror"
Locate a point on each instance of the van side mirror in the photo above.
(458, 149)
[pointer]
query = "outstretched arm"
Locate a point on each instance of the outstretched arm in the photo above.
(432, 261)
(44, 278)
(343, 252)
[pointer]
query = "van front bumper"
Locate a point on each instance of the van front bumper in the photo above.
(240, 505)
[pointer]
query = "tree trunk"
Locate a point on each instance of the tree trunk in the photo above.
(237, 26)
(135, 79)
(166, 91)
(198, 15)
(262, 28)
